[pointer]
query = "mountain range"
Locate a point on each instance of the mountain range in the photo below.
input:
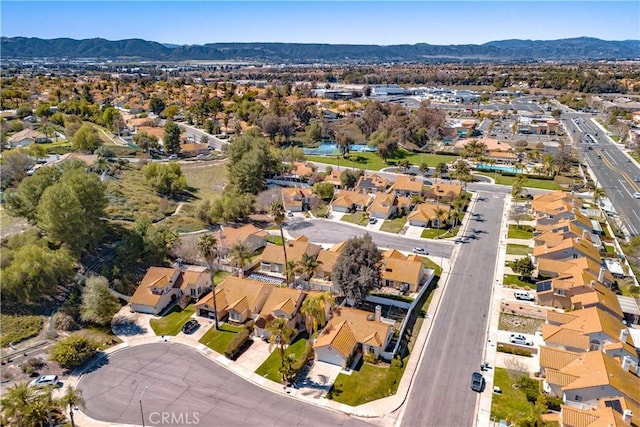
(574, 49)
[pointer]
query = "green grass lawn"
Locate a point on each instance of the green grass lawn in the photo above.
(394, 225)
(511, 280)
(372, 161)
(207, 180)
(16, 328)
(366, 383)
(270, 367)
(610, 249)
(276, 240)
(518, 250)
(171, 324)
(221, 275)
(516, 232)
(432, 233)
(217, 340)
(512, 403)
(357, 218)
(531, 182)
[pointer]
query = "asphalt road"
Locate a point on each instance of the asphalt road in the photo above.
(440, 395)
(615, 173)
(325, 231)
(192, 390)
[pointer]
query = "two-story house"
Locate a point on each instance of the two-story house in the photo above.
(272, 258)
(161, 286)
(297, 199)
(444, 193)
(372, 184)
(408, 186)
(386, 205)
(404, 273)
(350, 201)
(238, 298)
(282, 303)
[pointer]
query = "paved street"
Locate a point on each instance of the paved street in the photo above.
(616, 173)
(441, 394)
(185, 384)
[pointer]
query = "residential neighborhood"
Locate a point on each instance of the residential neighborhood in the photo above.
(319, 234)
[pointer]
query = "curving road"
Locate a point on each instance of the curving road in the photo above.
(192, 390)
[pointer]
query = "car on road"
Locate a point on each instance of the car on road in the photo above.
(636, 195)
(173, 157)
(519, 339)
(190, 326)
(477, 382)
(373, 220)
(45, 380)
(636, 179)
(421, 251)
(524, 296)
(289, 214)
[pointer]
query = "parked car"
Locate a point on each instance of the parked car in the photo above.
(421, 251)
(373, 220)
(45, 380)
(173, 157)
(525, 296)
(519, 339)
(636, 195)
(190, 326)
(289, 214)
(477, 382)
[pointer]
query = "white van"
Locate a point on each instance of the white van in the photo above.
(525, 296)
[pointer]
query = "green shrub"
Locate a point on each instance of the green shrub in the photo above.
(515, 351)
(73, 351)
(530, 387)
(370, 358)
(249, 325)
(396, 362)
(236, 345)
(18, 328)
(553, 403)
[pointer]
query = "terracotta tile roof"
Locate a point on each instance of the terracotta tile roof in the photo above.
(349, 198)
(295, 249)
(565, 337)
(557, 317)
(302, 169)
(556, 377)
(238, 293)
(185, 148)
(596, 369)
(393, 253)
(502, 154)
(440, 190)
(334, 177)
(580, 245)
(328, 259)
(155, 277)
(541, 201)
(401, 270)
(427, 212)
(600, 417)
(554, 358)
(361, 323)
(339, 336)
(602, 296)
(408, 183)
(230, 236)
(287, 300)
(382, 203)
(293, 197)
(373, 181)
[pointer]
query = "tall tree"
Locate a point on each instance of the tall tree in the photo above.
(156, 105)
(278, 215)
(72, 398)
(239, 255)
(171, 139)
(280, 334)
(357, 269)
(315, 308)
(26, 405)
(85, 139)
(98, 304)
(309, 265)
(440, 215)
(208, 247)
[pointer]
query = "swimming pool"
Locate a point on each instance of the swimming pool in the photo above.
(328, 149)
(493, 168)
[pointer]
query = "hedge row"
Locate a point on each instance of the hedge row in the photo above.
(515, 351)
(236, 345)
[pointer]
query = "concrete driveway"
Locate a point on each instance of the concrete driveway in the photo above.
(191, 389)
(318, 380)
(127, 325)
(255, 355)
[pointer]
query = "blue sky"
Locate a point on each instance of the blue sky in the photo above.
(353, 22)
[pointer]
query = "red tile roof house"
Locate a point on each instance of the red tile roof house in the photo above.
(349, 201)
(161, 286)
(282, 303)
(27, 137)
(272, 258)
(408, 186)
(386, 205)
(297, 199)
(238, 298)
(351, 330)
(248, 235)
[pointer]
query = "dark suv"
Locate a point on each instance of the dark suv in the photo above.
(477, 382)
(190, 326)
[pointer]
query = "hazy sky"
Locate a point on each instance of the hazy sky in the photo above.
(353, 22)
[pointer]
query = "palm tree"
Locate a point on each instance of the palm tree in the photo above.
(292, 269)
(598, 194)
(309, 266)
(456, 216)
(280, 334)
(315, 308)
(278, 214)
(73, 398)
(239, 255)
(440, 213)
(26, 405)
(208, 247)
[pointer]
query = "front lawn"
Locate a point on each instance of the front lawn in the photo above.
(16, 328)
(270, 368)
(394, 225)
(432, 233)
(217, 340)
(276, 240)
(519, 232)
(357, 218)
(171, 324)
(512, 403)
(518, 250)
(366, 383)
(513, 281)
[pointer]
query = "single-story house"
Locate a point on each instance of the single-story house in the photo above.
(408, 186)
(27, 137)
(348, 201)
(239, 298)
(386, 205)
(248, 235)
(424, 215)
(444, 192)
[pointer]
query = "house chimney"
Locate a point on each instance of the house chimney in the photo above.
(241, 273)
(585, 234)
(601, 275)
(378, 315)
(592, 285)
(626, 363)
(624, 333)
(627, 415)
